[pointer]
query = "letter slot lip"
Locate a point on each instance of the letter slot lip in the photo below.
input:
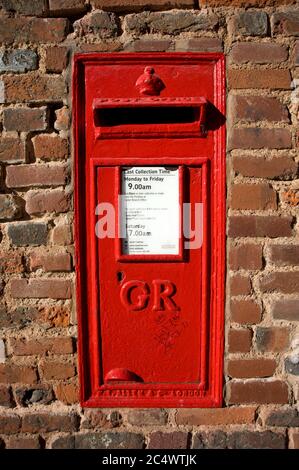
(176, 117)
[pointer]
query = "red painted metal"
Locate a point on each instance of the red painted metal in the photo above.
(151, 328)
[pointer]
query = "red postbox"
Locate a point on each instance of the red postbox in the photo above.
(150, 228)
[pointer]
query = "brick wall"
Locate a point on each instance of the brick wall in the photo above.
(38, 363)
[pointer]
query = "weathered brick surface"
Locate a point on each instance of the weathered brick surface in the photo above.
(12, 150)
(6, 396)
(50, 261)
(251, 78)
(245, 311)
(286, 309)
(67, 393)
(253, 196)
(200, 45)
(40, 30)
(284, 168)
(109, 440)
(56, 59)
(25, 119)
(251, 368)
(258, 138)
(11, 263)
(281, 281)
(147, 417)
(50, 147)
(24, 7)
(63, 422)
(66, 7)
(274, 339)
(258, 391)
(10, 423)
(171, 440)
(239, 340)
(257, 108)
(245, 256)
(239, 440)
(284, 255)
(23, 176)
(240, 285)
(28, 233)
(97, 419)
(284, 417)
(54, 370)
(10, 207)
(18, 317)
(171, 23)
(137, 5)
(262, 53)
(19, 60)
(10, 373)
(286, 22)
(33, 88)
(23, 442)
(39, 202)
(41, 346)
(251, 23)
(260, 226)
(41, 288)
(100, 23)
(216, 417)
(26, 396)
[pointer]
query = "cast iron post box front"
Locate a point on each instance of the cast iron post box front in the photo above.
(150, 228)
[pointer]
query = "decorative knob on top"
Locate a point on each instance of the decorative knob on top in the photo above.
(149, 83)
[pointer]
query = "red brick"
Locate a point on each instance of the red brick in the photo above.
(245, 311)
(25, 119)
(23, 442)
(240, 285)
(40, 346)
(39, 30)
(275, 79)
(94, 419)
(216, 416)
(50, 147)
(169, 440)
(284, 255)
(33, 88)
(62, 122)
(62, 235)
(140, 5)
(12, 150)
(56, 59)
(258, 53)
(153, 45)
(253, 196)
(147, 417)
(56, 316)
(10, 207)
(285, 309)
(200, 45)
(286, 282)
(260, 167)
(67, 7)
(239, 340)
(41, 288)
(258, 391)
(258, 138)
(48, 422)
(11, 263)
(294, 440)
(39, 202)
(22, 176)
(260, 226)
(67, 393)
(11, 373)
(5, 396)
(246, 256)
(257, 108)
(25, 7)
(286, 22)
(50, 261)
(10, 423)
(250, 368)
(53, 370)
(272, 339)
(249, 23)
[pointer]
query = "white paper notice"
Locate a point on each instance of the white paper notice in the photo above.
(150, 212)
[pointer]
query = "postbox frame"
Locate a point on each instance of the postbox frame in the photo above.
(88, 327)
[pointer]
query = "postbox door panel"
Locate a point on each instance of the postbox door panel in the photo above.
(151, 310)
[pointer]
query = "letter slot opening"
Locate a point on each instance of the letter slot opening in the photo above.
(150, 117)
